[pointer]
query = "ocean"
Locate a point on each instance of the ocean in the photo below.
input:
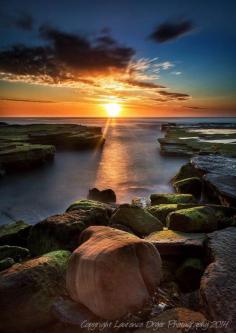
(130, 163)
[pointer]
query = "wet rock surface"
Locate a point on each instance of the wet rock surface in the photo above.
(218, 286)
(171, 198)
(106, 196)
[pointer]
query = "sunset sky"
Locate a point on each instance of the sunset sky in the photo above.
(153, 58)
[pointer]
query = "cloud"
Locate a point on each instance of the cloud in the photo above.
(143, 84)
(26, 100)
(171, 30)
(195, 107)
(174, 95)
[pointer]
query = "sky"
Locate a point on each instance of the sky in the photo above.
(152, 58)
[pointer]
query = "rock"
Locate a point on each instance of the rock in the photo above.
(171, 198)
(189, 274)
(220, 177)
(62, 231)
(174, 243)
(136, 218)
(161, 211)
(89, 204)
(6, 263)
(191, 185)
(186, 171)
(122, 227)
(16, 252)
(197, 219)
(112, 272)
(106, 196)
(14, 233)
(176, 320)
(29, 289)
(218, 284)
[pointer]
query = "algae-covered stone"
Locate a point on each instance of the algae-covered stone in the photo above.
(186, 171)
(189, 274)
(171, 198)
(62, 231)
(175, 243)
(136, 218)
(28, 290)
(191, 185)
(197, 219)
(161, 211)
(14, 233)
(6, 263)
(16, 252)
(87, 205)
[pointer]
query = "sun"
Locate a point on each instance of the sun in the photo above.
(112, 109)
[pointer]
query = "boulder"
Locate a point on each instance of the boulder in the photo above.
(189, 274)
(161, 211)
(191, 185)
(186, 171)
(112, 272)
(14, 233)
(62, 231)
(176, 320)
(89, 204)
(136, 218)
(28, 290)
(15, 252)
(106, 196)
(197, 219)
(171, 198)
(218, 284)
(174, 243)
(6, 263)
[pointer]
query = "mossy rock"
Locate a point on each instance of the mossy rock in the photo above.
(186, 171)
(140, 221)
(62, 231)
(191, 185)
(14, 233)
(171, 198)
(87, 205)
(161, 211)
(6, 263)
(30, 289)
(196, 219)
(16, 252)
(189, 274)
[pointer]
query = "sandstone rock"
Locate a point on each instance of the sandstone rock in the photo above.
(16, 252)
(171, 198)
(112, 272)
(189, 274)
(174, 243)
(106, 196)
(191, 185)
(218, 284)
(28, 290)
(14, 233)
(197, 219)
(176, 320)
(136, 218)
(62, 231)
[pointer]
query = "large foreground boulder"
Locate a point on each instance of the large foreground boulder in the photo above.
(197, 219)
(112, 272)
(171, 198)
(62, 231)
(28, 290)
(136, 218)
(218, 284)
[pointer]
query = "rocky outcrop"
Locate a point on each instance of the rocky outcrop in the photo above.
(106, 196)
(88, 205)
(192, 185)
(174, 243)
(197, 219)
(62, 231)
(14, 233)
(218, 284)
(112, 272)
(28, 290)
(219, 177)
(15, 252)
(136, 218)
(171, 198)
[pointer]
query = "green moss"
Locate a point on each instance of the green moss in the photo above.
(171, 198)
(197, 219)
(86, 204)
(161, 211)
